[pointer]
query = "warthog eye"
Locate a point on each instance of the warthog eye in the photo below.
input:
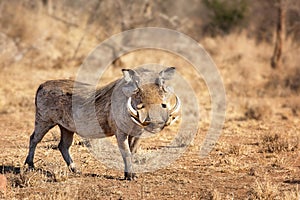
(140, 106)
(163, 105)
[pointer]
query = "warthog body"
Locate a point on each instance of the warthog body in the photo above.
(125, 108)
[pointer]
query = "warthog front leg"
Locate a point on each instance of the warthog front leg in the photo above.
(134, 143)
(122, 139)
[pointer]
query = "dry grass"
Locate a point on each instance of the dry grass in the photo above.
(264, 190)
(276, 143)
(258, 111)
(248, 72)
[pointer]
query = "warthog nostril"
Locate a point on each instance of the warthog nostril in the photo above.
(161, 123)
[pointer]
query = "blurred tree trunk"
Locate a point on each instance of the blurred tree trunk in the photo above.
(276, 60)
(48, 5)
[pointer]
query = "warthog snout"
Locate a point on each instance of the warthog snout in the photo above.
(150, 103)
(156, 119)
(153, 117)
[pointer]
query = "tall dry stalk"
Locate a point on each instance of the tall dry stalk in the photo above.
(276, 60)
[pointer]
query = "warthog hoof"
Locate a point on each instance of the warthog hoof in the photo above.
(129, 176)
(73, 169)
(30, 165)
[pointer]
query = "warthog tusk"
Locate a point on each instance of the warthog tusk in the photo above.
(137, 122)
(177, 106)
(174, 112)
(133, 113)
(131, 110)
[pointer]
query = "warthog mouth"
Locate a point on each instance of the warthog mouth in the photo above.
(173, 114)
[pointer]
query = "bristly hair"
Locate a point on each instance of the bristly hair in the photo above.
(105, 91)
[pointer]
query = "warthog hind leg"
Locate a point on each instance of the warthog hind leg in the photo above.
(64, 146)
(40, 130)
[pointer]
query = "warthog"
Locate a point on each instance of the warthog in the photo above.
(138, 101)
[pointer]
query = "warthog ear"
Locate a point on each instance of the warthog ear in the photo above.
(168, 73)
(132, 79)
(165, 74)
(131, 76)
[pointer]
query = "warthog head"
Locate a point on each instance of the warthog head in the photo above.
(151, 103)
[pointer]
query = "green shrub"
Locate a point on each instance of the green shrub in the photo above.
(226, 15)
